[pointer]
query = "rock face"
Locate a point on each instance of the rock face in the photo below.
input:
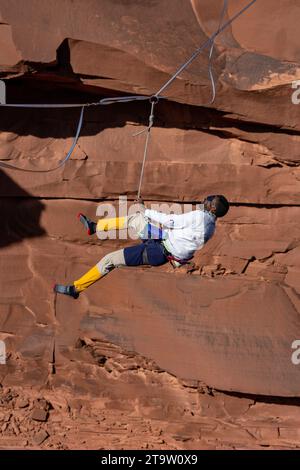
(215, 336)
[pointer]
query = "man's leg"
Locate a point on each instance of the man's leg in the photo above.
(105, 265)
(141, 254)
(103, 225)
(136, 222)
(117, 223)
(134, 255)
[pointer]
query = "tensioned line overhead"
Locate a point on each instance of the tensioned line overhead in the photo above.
(125, 99)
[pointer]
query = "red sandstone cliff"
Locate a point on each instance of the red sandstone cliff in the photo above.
(193, 359)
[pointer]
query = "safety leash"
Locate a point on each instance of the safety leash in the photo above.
(103, 102)
(63, 162)
(153, 100)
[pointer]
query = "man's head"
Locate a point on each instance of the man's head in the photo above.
(217, 205)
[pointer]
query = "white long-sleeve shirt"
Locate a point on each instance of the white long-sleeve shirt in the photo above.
(185, 233)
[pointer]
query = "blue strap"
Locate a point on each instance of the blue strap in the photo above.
(155, 233)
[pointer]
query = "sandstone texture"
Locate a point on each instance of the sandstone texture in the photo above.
(194, 358)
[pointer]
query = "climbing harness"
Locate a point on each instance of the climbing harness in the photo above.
(176, 262)
(125, 99)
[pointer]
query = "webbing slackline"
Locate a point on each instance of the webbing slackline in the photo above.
(153, 99)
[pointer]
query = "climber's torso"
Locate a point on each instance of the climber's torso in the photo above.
(186, 233)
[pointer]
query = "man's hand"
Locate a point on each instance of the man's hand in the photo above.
(139, 200)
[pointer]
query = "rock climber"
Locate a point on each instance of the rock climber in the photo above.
(172, 237)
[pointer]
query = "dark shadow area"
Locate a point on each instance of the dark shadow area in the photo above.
(61, 123)
(274, 400)
(63, 58)
(57, 83)
(19, 215)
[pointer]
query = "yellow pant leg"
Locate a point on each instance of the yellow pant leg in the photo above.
(105, 265)
(87, 279)
(103, 225)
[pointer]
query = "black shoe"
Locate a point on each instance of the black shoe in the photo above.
(88, 223)
(67, 290)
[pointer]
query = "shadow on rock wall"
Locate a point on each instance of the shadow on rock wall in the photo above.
(19, 215)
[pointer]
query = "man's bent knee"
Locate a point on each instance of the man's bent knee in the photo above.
(137, 224)
(111, 261)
